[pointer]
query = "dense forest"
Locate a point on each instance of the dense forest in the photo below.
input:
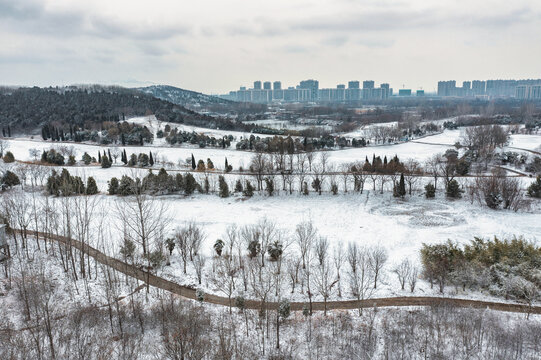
(26, 109)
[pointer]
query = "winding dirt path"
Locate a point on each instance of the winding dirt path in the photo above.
(190, 293)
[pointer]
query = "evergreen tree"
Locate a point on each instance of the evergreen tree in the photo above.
(430, 191)
(133, 160)
(453, 190)
(219, 246)
(91, 186)
(105, 162)
(224, 188)
(150, 159)
(238, 186)
(400, 188)
(210, 164)
(8, 157)
(86, 158)
(9, 131)
(269, 186)
(109, 154)
(200, 165)
(193, 162)
(113, 186)
(190, 184)
(9, 179)
(71, 160)
(248, 189)
(125, 157)
(4, 132)
(226, 164)
(99, 157)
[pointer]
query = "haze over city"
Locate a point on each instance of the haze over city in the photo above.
(215, 46)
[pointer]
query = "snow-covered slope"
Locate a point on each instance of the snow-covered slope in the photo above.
(187, 98)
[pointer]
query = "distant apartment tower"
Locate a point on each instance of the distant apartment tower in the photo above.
(277, 85)
(528, 92)
(353, 92)
(478, 87)
(368, 84)
(257, 85)
(420, 93)
(267, 85)
(312, 85)
(447, 88)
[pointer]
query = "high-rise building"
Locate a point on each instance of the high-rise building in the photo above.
(368, 84)
(267, 85)
(340, 86)
(478, 87)
(528, 92)
(312, 85)
(257, 85)
(353, 85)
(447, 88)
(277, 85)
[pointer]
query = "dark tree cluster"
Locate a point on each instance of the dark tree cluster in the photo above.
(177, 137)
(64, 184)
(87, 108)
(52, 157)
(110, 132)
(288, 145)
(505, 268)
(156, 184)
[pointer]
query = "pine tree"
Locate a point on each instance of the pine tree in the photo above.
(9, 131)
(453, 190)
(151, 159)
(99, 157)
(226, 164)
(248, 190)
(125, 157)
(113, 186)
(91, 186)
(400, 188)
(189, 184)
(238, 186)
(224, 188)
(193, 162)
(430, 191)
(109, 154)
(105, 162)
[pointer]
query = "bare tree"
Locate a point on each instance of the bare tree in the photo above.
(305, 235)
(403, 272)
(324, 280)
(377, 259)
(360, 274)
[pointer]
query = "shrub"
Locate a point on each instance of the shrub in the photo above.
(430, 191)
(8, 157)
(453, 190)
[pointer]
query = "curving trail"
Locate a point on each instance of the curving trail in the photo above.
(190, 293)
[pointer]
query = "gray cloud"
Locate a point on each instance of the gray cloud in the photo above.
(29, 16)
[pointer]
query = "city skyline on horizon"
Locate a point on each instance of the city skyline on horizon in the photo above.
(213, 46)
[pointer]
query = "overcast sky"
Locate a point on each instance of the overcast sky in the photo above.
(215, 46)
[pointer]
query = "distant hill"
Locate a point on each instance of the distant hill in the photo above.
(186, 98)
(25, 110)
(201, 102)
